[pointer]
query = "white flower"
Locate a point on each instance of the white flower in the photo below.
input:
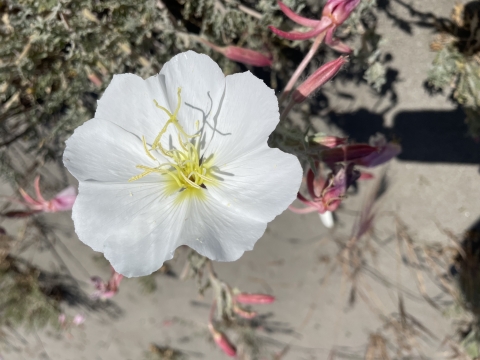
(179, 159)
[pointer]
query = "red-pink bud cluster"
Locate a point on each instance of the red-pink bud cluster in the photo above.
(339, 10)
(334, 14)
(109, 289)
(326, 194)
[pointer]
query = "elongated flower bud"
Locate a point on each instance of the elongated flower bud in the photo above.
(325, 140)
(246, 56)
(347, 153)
(246, 314)
(385, 152)
(317, 79)
(94, 79)
(222, 341)
(242, 55)
(254, 298)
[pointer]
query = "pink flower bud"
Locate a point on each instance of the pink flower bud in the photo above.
(242, 55)
(339, 10)
(254, 298)
(326, 195)
(326, 140)
(63, 201)
(109, 289)
(222, 341)
(246, 56)
(335, 191)
(317, 79)
(366, 176)
(315, 183)
(95, 79)
(347, 153)
(384, 152)
(244, 313)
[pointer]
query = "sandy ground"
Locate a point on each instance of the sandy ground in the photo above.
(432, 185)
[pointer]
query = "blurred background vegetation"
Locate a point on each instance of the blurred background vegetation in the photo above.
(57, 57)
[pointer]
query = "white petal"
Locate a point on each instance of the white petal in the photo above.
(260, 184)
(248, 115)
(128, 102)
(327, 219)
(217, 231)
(135, 226)
(202, 83)
(102, 151)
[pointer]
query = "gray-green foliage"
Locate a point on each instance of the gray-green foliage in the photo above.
(457, 63)
(368, 54)
(24, 302)
(452, 69)
(57, 57)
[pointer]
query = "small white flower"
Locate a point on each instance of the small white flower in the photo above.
(179, 159)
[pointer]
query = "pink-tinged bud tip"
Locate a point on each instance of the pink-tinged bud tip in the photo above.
(242, 55)
(297, 18)
(366, 176)
(347, 153)
(254, 298)
(222, 341)
(317, 79)
(325, 140)
(244, 313)
(319, 28)
(384, 152)
(63, 201)
(246, 56)
(339, 10)
(95, 79)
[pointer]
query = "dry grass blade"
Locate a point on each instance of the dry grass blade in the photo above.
(377, 348)
(413, 258)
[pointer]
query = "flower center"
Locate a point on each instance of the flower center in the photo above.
(186, 169)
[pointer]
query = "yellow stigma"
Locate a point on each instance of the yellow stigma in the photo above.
(185, 169)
